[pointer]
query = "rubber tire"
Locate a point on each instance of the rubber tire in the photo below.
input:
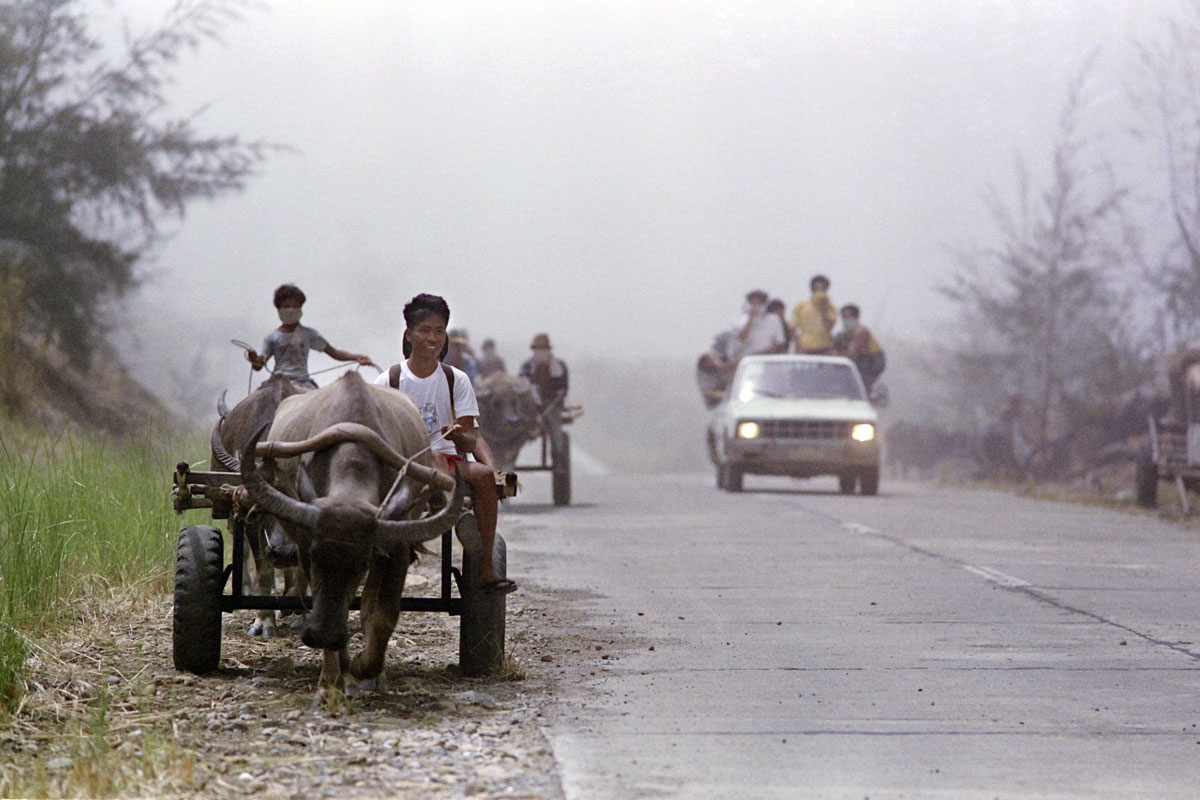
(868, 483)
(733, 478)
(481, 625)
(846, 483)
(199, 578)
(1146, 480)
(560, 478)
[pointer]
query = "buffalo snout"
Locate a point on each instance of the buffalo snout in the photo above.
(280, 548)
(338, 564)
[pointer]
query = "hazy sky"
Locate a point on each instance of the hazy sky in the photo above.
(616, 173)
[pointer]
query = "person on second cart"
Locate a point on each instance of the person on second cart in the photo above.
(459, 354)
(547, 373)
(290, 342)
(489, 362)
(446, 400)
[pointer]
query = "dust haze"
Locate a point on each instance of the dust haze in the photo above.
(617, 174)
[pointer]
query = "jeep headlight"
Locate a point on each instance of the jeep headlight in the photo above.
(748, 430)
(862, 432)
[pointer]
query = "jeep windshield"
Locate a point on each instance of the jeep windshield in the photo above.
(797, 379)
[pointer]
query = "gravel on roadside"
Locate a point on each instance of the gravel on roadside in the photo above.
(107, 714)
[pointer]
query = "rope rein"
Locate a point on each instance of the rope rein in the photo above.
(250, 378)
(404, 470)
(400, 475)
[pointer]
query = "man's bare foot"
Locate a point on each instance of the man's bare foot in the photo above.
(497, 585)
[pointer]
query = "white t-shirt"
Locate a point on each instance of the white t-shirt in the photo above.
(765, 334)
(431, 396)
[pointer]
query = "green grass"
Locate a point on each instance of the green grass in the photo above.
(77, 516)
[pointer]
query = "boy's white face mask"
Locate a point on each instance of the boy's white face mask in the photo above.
(289, 316)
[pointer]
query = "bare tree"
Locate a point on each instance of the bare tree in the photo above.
(1168, 95)
(1041, 317)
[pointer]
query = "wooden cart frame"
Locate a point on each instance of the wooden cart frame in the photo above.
(206, 586)
(555, 450)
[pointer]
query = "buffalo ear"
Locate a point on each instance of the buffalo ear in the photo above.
(267, 497)
(304, 486)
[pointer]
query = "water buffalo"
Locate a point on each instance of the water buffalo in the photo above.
(353, 487)
(269, 546)
(508, 416)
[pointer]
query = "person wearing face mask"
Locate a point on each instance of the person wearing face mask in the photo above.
(547, 373)
(813, 319)
(857, 343)
(760, 331)
(290, 342)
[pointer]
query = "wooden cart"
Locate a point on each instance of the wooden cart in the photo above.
(206, 586)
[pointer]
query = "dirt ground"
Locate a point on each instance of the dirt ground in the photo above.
(109, 716)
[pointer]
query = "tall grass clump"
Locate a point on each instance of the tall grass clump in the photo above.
(78, 516)
(13, 650)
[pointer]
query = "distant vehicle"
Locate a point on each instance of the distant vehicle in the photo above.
(796, 415)
(1173, 453)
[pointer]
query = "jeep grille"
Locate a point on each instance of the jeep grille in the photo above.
(805, 429)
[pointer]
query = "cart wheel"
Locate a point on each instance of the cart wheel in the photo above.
(868, 482)
(561, 477)
(481, 626)
(1146, 479)
(846, 483)
(199, 559)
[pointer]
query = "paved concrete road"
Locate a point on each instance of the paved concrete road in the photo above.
(790, 642)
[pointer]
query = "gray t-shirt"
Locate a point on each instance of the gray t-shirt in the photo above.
(291, 351)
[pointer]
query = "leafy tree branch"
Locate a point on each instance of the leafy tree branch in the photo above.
(89, 166)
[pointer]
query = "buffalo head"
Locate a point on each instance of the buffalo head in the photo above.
(341, 517)
(508, 416)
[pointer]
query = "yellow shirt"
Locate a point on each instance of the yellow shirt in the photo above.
(872, 345)
(855, 343)
(813, 325)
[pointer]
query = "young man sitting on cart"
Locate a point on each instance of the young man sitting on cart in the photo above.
(444, 396)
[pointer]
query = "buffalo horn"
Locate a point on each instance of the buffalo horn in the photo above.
(225, 459)
(354, 432)
(393, 533)
(270, 499)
